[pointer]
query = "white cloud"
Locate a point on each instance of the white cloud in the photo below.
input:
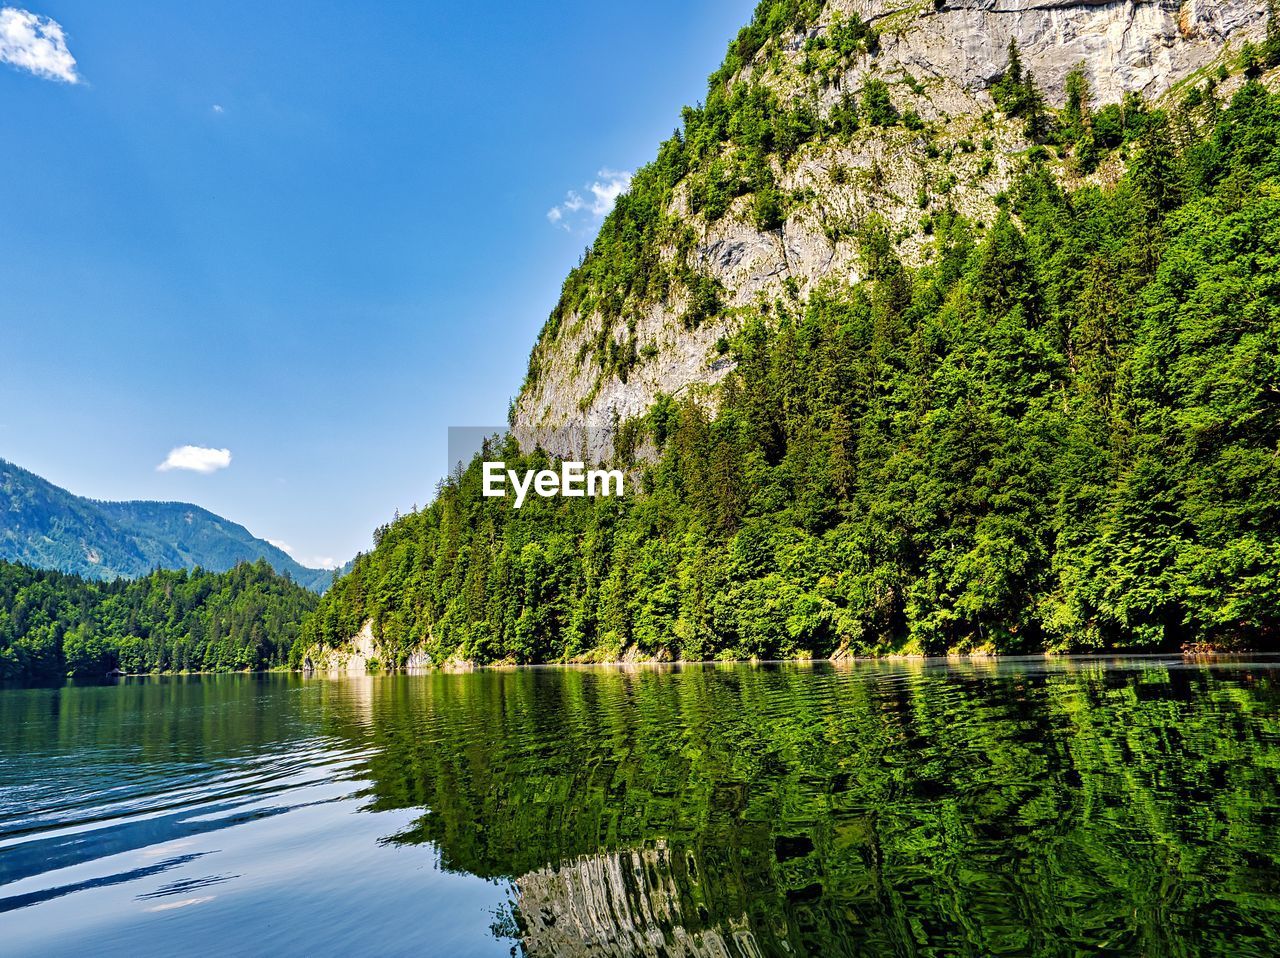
(196, 459)
(311, 562)
(35, 43)
(604, 192)
(217, 108)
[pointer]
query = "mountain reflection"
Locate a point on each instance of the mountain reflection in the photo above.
(625, 903)
(871, 809)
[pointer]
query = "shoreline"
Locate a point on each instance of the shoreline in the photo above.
(454, 667)
(459, 667)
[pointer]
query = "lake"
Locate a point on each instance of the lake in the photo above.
(1018, 807)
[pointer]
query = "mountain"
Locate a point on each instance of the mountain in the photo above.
(45, 526)
(941, 328)
(824, 117)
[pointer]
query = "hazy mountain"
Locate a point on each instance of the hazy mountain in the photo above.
(46, 526)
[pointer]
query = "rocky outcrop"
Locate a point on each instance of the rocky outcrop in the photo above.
(361, 654)
(358, 656)
(939, 58)
(418, 661)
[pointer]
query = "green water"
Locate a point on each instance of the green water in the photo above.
(1063, 808)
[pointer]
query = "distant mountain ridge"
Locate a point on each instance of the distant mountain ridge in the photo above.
(46, 526)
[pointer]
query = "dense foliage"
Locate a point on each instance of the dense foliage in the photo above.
(53, 624)
(1061, 433)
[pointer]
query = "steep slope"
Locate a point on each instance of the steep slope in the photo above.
(47, 527)
(1024, 398)
(824, 118)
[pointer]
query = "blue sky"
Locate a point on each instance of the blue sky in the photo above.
(309, 237)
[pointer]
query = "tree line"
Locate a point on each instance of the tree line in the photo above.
(53, 624)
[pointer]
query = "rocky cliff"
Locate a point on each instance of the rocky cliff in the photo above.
(614, 345)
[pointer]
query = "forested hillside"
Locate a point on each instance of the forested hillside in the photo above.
(46, 526)
(53, 624)
(1060, 431)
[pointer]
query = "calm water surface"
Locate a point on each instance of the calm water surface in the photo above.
(1072, 807)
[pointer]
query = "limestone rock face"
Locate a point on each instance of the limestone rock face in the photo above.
(939, 59)
(1124, 45)
(418, 661)
(351, 659)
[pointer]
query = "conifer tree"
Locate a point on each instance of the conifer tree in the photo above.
(1157, 172)
(1075, 113)
(1032, 108)
(1009, 89)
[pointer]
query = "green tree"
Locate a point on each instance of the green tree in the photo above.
(877, 105)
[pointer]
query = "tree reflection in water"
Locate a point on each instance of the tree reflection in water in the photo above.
(1020, 807)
